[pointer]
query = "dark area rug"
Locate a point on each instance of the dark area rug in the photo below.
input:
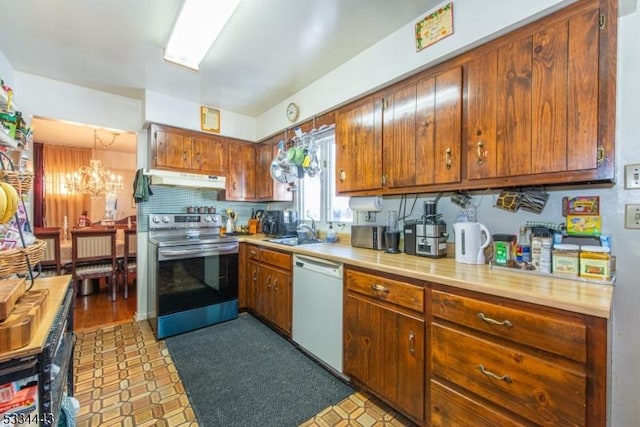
(241, 373)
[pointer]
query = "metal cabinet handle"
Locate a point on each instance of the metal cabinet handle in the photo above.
(505, 378)
(184, 155)
(379, 288)
(255, 275)
(275, 284)
(600, 155)
(253, 253)
(234, 185)
(412, 342)
(269, 282)
(480, 152)
(447, 158)
(505, 323)
(343, 175)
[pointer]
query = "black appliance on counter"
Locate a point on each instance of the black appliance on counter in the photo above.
(193, 277)
(281, 223)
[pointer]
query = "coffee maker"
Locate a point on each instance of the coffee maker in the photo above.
(426, 236)
(280, 223)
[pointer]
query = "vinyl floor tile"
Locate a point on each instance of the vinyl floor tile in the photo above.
(124, 377)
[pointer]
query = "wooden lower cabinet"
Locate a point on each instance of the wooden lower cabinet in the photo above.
(494, 361)
(384, 344)
(268, 286)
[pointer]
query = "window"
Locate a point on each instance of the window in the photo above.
(316, 197)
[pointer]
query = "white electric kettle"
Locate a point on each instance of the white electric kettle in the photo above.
(470, 239)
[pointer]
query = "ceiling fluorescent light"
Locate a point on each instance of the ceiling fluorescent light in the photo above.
(199, 24)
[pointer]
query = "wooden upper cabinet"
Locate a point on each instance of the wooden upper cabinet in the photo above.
(209, 155)
(359, 146)
(241, 177)
(266, 187)
(170, 149)
(423, 130)
(532, 101)
(180, 149)
(264, 182)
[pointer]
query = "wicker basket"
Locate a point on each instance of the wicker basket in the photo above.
(21, 181)
(14, 261)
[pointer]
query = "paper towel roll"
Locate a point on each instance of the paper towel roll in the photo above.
(366, 204)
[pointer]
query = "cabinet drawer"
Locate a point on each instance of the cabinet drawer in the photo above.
(275, 258)
(253, 252)
(450, 408)
(554, 335)
(534, 388)
(399, 293)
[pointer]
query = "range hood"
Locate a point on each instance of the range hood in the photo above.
(185, 179)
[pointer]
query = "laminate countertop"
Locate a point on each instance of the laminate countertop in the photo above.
(547, 290)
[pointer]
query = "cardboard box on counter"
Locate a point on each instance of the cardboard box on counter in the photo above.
(583, 225)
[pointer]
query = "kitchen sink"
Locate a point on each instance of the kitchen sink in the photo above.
(294, 241)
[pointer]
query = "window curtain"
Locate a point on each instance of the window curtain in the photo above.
(57, 202)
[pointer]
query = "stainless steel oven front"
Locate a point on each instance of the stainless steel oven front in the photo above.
(193, 274)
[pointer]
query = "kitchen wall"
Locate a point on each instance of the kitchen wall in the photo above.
(471, 18)
(477, 18)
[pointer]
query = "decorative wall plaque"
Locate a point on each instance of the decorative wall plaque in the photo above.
(209, 119)
(434, 27)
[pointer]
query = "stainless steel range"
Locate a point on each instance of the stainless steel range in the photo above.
(193, 273)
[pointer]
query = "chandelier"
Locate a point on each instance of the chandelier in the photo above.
(94, 180)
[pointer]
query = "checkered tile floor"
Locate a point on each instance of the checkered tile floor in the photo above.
(124, 377)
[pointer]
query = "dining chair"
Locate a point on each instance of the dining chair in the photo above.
(128, 263)
(51, 263)
(93, 255)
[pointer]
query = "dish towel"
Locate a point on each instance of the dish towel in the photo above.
(141, 187)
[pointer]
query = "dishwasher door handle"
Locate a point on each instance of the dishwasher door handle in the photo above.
(318, 265)
(318, 262)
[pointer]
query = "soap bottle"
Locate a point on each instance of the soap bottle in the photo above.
(332, 237)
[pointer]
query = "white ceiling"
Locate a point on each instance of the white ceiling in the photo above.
(269, 50)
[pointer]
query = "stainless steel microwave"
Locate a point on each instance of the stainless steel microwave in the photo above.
(368, 236)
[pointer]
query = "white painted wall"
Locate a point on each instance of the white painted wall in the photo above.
(164, 109)
(395, 57)
(39, 96)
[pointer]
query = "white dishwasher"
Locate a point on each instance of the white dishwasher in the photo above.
(317, 309)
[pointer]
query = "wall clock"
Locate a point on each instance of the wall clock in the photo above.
(292, 112)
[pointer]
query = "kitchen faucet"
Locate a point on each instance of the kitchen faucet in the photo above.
(310, 229)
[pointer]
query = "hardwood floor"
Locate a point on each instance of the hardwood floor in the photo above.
(97, 310)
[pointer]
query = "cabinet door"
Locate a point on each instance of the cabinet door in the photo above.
(252, 288)
(242, 172)
(209, 155)
(422, 131)
(384, 350)
(533, 102)
(172, 149)
(264, 182)
(281, 294)
(359, 147)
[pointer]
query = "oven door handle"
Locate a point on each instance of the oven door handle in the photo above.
(198, 251)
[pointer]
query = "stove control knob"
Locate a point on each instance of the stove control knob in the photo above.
(165, 219)
(155, 219)
(207, 218)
